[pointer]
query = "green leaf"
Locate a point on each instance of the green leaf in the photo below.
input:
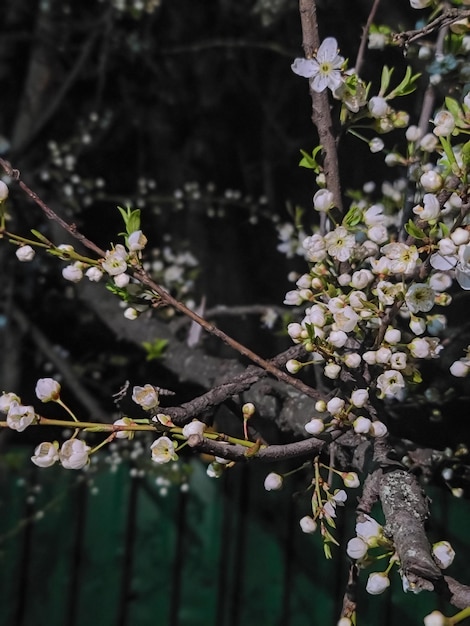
(352, 217)
(465, 153)
(155, 348)
(414, 231)
(310, 162)
(453, 107)
(385, 79)
(406, 86)
(41, 237)
(131, 219)
(444, 229)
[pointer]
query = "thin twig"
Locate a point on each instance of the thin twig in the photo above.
(165, 298)
(365, 33)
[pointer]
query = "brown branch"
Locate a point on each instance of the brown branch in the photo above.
(165, 297)
(321, 115)
(447, 18)
(365, 33)
(234, 385)
(235, 452)
(405, 512)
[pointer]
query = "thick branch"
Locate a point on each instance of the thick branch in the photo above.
(406, 511)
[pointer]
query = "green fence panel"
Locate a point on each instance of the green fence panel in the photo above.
(109, 549)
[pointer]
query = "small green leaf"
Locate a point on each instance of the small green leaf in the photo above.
(453, 107)
(385, 79)
(414, 231)
(41, 237)
(155, 349)
(444, 229)
(406, 86)
(309, 161)
(353, 216)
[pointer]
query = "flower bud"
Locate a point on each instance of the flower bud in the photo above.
(47, 390)
(350, 479)
(362, 425)
(315, 426)
(25, 253)
(308, 525)
(335, 406)
(359, 397)
(378, 107)
(435, 619)
(3, 191)
(443, 554)
(378, 429)
(431, 181)
(273, 482)
(356, 548)
(332, 370)
(377, 583)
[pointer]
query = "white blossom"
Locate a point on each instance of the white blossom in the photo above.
(73, 454)
(130, 313)
(115, 261)
(7, 399)
(339, 243)
(390, 383)
(19, 416)
(431, 208)
(444, 124)
(420, 297)
(163, 450)
(369, 530)
(323, 71)
(323, 200)
(136, 241)
(146, 397)
(45, 454)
